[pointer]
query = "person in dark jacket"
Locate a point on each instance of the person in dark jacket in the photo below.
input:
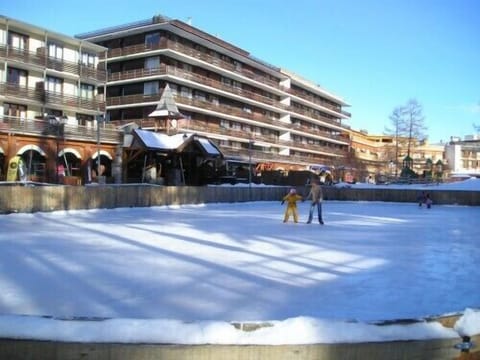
(317, 197)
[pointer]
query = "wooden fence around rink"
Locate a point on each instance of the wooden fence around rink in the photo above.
(30, 198)
(437, 349)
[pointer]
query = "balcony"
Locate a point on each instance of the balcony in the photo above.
(316, 100)
(260, 156)
(243, 134)
(226, 110)
(40, 59)
(49, 98)
(173, 71)
(166, 44)
(35, 127)
(202, 80)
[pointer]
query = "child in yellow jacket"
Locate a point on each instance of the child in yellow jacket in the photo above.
(291, 198)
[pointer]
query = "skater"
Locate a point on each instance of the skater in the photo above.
(291, 198)
(428, 201)
(421, 198)
(317, 197)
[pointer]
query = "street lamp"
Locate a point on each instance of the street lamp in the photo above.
(100, 119)
(57, 124)
(250, 143)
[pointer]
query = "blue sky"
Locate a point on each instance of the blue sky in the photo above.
(375, 54)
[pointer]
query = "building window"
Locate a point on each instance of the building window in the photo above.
(55, 51)
(152, 39)
(17, 77)
(16, 110)
(84, 120)
(226, 81)
(54, 112)
(150, 88)
(200, 95)
(86, 91)
(186, 92)
(54, 84)
(152, 63)
(87, 59)
(18, 41)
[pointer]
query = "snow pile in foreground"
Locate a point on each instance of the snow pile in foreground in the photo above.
(299, 330)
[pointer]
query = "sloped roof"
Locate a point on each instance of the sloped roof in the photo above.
(175, 143)
(166, 106)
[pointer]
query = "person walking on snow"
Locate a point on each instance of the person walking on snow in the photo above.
(317, 197)
(291, 198)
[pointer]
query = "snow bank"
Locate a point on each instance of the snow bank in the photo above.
(298, 331)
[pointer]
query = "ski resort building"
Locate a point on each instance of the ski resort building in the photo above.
(256, 113)
(49, 106)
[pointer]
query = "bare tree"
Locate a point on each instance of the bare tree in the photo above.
(409, 122)
(415, 122)
(408, 126)
(397, 125)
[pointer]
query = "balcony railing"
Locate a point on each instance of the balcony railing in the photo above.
(271, 157)
(318, 101)
(35, 127)
(225, 109)
(188, 75)
(40, 59)
(166, 44)
(50, 98)
(173, 71)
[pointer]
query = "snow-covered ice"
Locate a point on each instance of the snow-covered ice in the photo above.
(183, 274)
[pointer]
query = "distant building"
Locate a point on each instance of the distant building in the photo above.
(463, 156)
(379, 155)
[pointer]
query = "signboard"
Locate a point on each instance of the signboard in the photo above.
(13, 165)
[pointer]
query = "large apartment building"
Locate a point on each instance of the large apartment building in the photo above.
(49, 104)
(252, 110)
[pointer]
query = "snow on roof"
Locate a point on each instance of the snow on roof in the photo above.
(155, 140)
(160, 141)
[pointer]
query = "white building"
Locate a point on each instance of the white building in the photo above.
(463, 156)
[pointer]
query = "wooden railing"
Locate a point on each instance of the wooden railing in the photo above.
(203, 80)
(49, 97)
(188, 75)
(16, 125)
(318, 101)
(166, 44)
(39, 58)
(224, 109)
